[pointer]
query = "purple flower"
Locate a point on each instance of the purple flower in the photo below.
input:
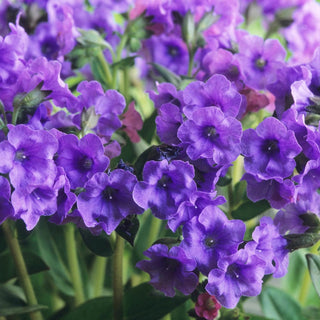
(210, 237)
(269, 150)
(81, 159)
(211, 135)
(237, 275)
(169, 51)
(12, 50)
(170, 270)
(193, 207)
(277, 192)
(216, 92)
(291, 218)
(281, 89)
(223, 62)
(39, 71)
(33, 202)
(303, 35)
(260, 60)
(60, 17)
(167, 93)
(107, 106)
(165, 186)
(269, 246)
(28, 156)
(65, 198)
(168, 122)
(6, 209)
(107, 199)
(307, 137)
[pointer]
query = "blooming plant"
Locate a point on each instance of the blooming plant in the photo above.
(159, 159)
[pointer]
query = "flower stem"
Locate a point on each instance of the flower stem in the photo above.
(154, 231)
(117, 279)
(105, 69)
(98, 275)
(21, 269)
(73, 262)
(191, 61)
(306, 281)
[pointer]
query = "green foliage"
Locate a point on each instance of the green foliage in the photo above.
(278, 305)
(128, 229)
(7, 269)
(97, 244)
(141, 302)
(314, 269)
(49, 248)
(12, 301)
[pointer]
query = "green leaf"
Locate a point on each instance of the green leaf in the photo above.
(207, 20)
(31, 99)
(128, 228)
(314, 269)
(248, 316)
(124, 63)
(311, 313)
(149, 127)
(188, 29)
(99, 245)
(168, 241)
(3, 244)
(92, 38)
(145, 303)
(277, 304)
(33, 262)
(52, 255)
(22, 232)
(141, 302)
(94, 309)
(12, 301)
(167, 75)
(249, 209)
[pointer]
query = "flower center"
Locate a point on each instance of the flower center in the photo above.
(173, 51)
(260, 63)
(85, 163)
(233, 271)
(164, 181)
(210, 132)
(20, 156)
(271, 146)
(108, 193)
(209, 242)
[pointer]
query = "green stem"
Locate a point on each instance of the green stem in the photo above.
(106, 69)
(154, 230)
(237, 170)
(73, 262)
(98, 275)
(21, 269)
(306, 281)
(120, 48)
(117, 279)
(191, 62)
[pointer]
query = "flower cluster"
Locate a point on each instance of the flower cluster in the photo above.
(235, 122)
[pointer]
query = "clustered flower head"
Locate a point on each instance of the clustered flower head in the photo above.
(60, 145)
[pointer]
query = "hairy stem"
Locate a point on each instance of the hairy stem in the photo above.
(73, 262)
(98, 275)
(117, 279)
(21, 269)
